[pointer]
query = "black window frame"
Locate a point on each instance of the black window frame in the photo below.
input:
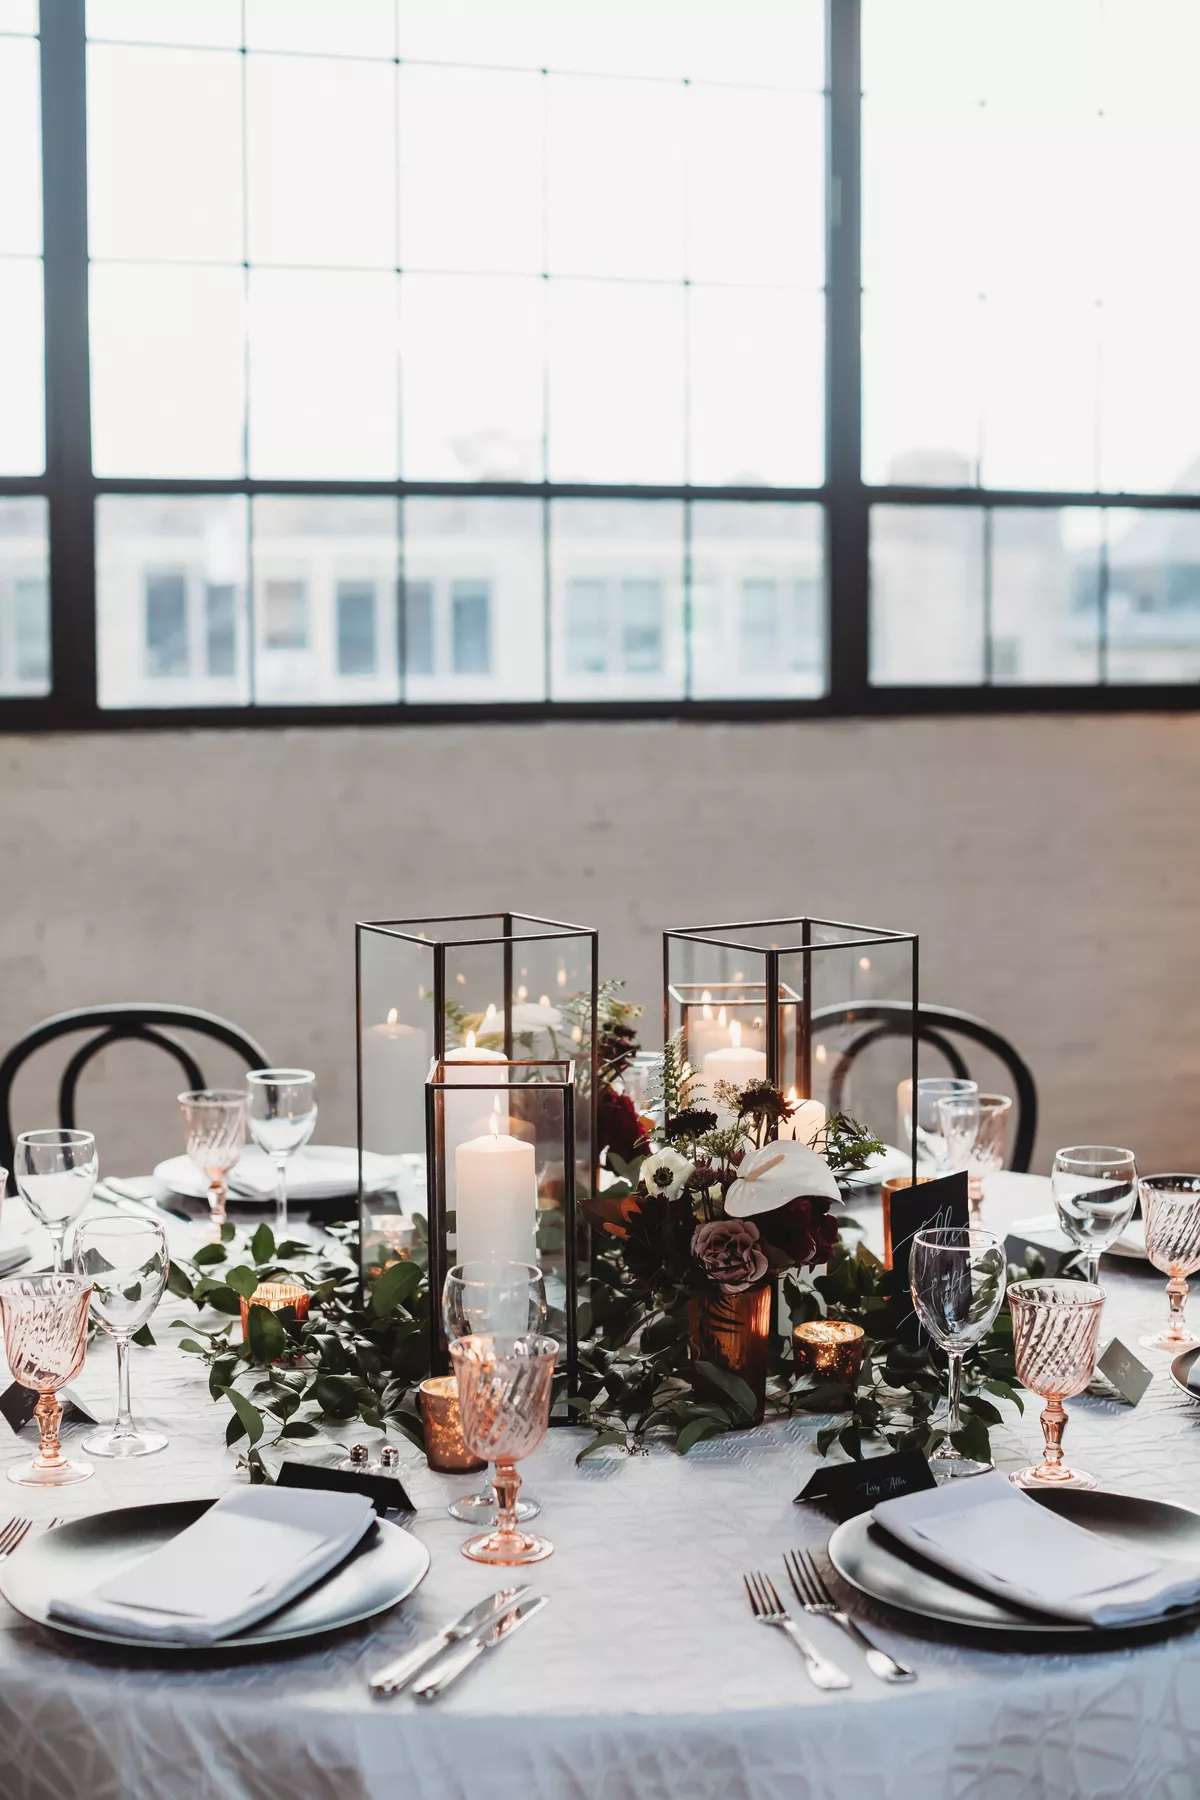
(72, 489)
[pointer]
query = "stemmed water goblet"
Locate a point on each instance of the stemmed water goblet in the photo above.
(497, 1300)
(281, 1113)
(1095, 1191)
(1171, 1211)
(931, 1148)
(126, 1262)
(1056, 1327)
(504, 1389)
(45, 1341)
(56, 1172)
(959, 1118)
(214, 1120)
(957, 1275)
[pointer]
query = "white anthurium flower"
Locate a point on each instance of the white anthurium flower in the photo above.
(778, 1173)
(664, 1173)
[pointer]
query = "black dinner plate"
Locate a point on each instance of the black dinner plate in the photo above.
(386, 1566)
(877, 1565)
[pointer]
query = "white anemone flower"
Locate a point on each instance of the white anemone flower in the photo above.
(664, 1173)
(778, 1173)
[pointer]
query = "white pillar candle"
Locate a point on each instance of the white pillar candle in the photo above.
(708, 1029)
(395, 1064)
(807, 1120)
(465, 1115)
(736, 1063)
(495, 1184)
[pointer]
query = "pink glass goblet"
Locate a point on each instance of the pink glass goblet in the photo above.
(45, 1340)
(1056, 1325)
(214, 1121)
(1171, 1213)
(504, 1387)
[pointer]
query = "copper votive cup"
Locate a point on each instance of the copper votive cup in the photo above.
(444, 1444)
(831, 1348)
(277, 1297)
(892, 1186)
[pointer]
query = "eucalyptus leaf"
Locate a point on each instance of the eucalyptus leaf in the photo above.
(228, 1232)
(208, 1254)
(395, 1287)
(265, 1334)
(178, 1283)
(222, 1299)
(262, 1244)
(144, 1337)
(243, 1281)
(730, 1386)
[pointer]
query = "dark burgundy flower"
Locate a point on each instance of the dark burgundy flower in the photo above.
(804, 1230)
(618, 1125)
(728, 1252)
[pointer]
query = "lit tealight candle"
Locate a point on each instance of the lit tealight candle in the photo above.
(277, 1296)
(442, 1424)
(829, 1347)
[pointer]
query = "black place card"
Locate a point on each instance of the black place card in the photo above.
(940, 1203)
(387, 1493)
(18, 1404)
(1124, 1371)
(855, 1487)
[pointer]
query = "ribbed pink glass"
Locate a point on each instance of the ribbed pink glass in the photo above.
(215, 1122)
(504, 1387)
(45, 1341)
(1056, 1328)
(1171, 1211)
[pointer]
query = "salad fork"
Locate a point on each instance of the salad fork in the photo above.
(768, 1609)
(814, 1596)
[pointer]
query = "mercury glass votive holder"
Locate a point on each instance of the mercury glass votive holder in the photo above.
(831, 1348)
(892, 1186)
(277, 1297)
(444, 1445)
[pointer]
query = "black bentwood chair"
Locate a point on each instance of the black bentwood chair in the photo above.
(937, 1026)
(110, 1025)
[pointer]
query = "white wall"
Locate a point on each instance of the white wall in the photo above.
(1051, 866)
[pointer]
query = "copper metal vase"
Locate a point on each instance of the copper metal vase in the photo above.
(734, 1332)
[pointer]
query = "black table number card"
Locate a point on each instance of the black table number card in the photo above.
(938, 1203)
(18, 1403)
(855, 1487)
(386, 1492)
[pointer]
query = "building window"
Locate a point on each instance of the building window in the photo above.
(470, 628)
(31, 645)
(587, 634)
(641, 627)
(418, 627)
(356, 634)
(166, 636)
(286, 604)
(220, 630)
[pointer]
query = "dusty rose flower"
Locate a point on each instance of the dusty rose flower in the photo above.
(727, 1250)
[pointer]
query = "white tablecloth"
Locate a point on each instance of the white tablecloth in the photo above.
(646, 1675)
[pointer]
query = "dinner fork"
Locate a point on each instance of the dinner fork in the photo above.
(814, 1596)
(768, 1609)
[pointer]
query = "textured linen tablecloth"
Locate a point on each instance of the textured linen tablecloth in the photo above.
(646, 1676)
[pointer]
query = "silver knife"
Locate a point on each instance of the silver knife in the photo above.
(117, 1194)
(451, 1663)
(395, 1675)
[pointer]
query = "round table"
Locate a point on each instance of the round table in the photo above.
(646, 1675)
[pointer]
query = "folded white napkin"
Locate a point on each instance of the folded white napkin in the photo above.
(248, 1555)
(993, 1536)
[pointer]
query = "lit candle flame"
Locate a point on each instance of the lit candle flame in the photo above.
(522, 993)
(561, 978)
(494, 1121)
(577, 1034)
(544, 1000)
(792, 1096)
(706, 1011)
(721, 1016)
(735, 1034)
(491, 1011)
(393, 1015)
(706, 995)
(470, 1040)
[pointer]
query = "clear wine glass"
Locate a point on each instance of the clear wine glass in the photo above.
(990, 1151)
(214, 1120)
(281, 1113)
(959, 1117)
(504, 1388)
(930, 1089)
(126, 1261)
(56, 1172)
(957, 1275)
(492, 1299)
(45, 1341)
(1095, 1191)
(1171, 1211)
(1056, 1327)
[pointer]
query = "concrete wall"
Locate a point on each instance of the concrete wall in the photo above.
(1051, 866)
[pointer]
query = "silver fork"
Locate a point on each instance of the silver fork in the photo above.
(814, 1596)
(14, 1535)
(768, 1609)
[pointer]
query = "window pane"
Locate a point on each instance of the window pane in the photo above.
(1045, 601)
(165, 154)
(167, 370)
(314, 561)
(922, 388)
(170, 600)
(20, 148)
(22, 376)
(757, 387)
(1150, 405)
(1153, 596)
(179, 22)
(615, 163)
(756, 185)
(323, 375)
(616, 382)
(918, 143)
(1040, 426)
(926, 595)
(24, 597)
(320, 162)
(617, 577)
(758, 600)
(474, 572)
(471, 170)
(472, 383)
(361, 28)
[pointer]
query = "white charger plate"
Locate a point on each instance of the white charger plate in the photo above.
(318, 1172)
